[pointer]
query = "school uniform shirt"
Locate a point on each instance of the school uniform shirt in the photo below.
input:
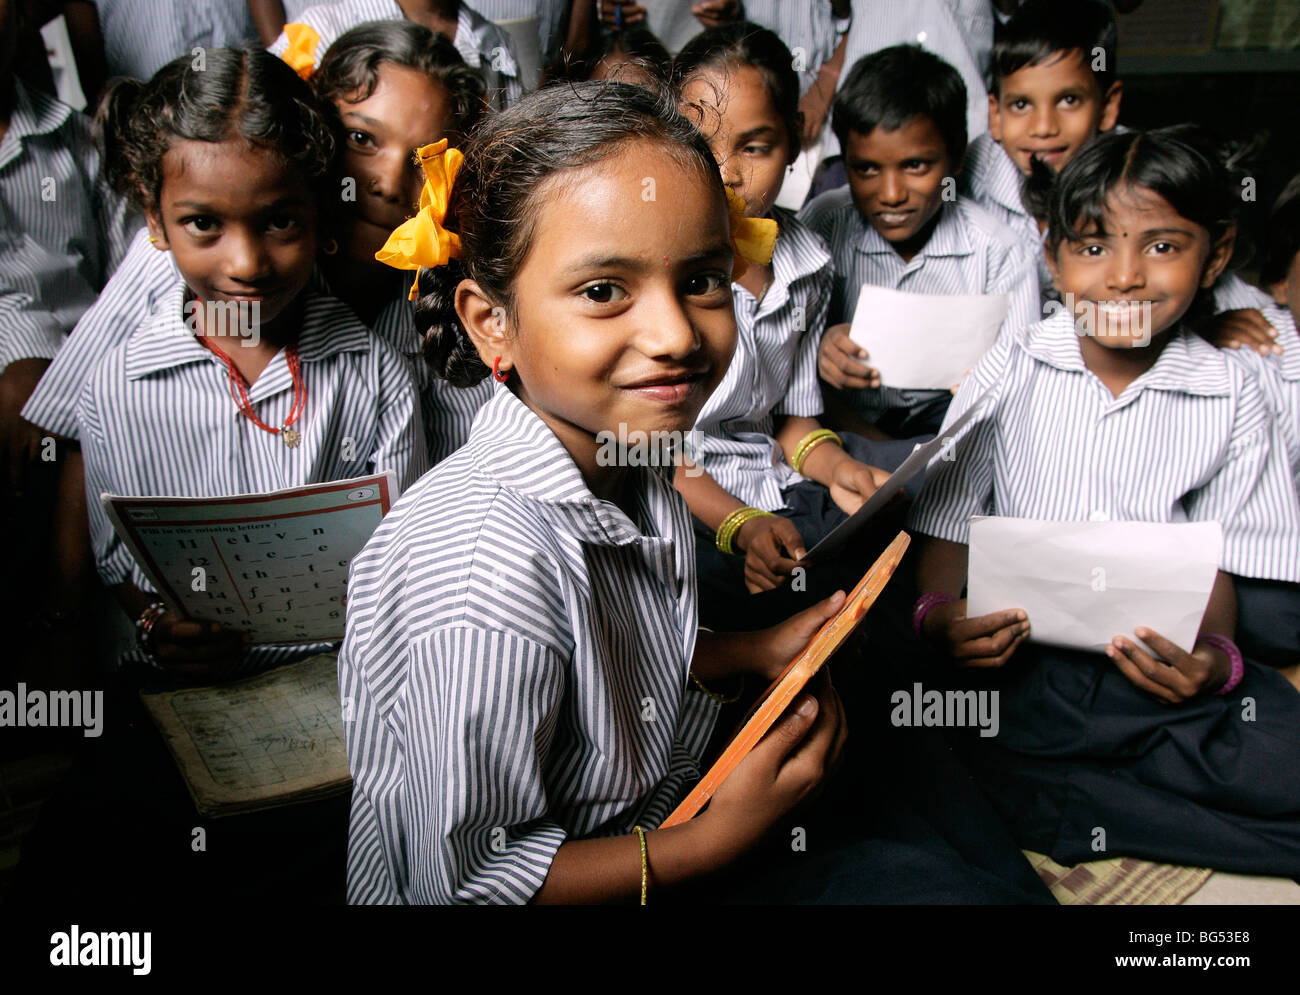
(969, 252)
(142, 36)
(517, 669)
(992, 180)
(773, 371)
(147, 274)
(550, 16)
(156, 417)
(1192, 439)
(1279, 379)
(480, 43)
(62, 230)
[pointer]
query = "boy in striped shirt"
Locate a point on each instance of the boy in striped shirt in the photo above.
(901, 119)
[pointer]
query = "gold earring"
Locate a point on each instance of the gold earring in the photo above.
(330, 248)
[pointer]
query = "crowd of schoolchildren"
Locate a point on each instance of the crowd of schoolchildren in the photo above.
(466, 277)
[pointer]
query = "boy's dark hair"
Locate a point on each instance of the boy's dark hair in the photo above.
(1282, 239)
(889, 88)
(246, 93)
(349, 70)
(744, 44)
(1183, 163)
(1040, 30)
(494, 203)
(643, 49)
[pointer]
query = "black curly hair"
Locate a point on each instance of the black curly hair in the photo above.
(494, 199)
(209, 97)
(349, 70)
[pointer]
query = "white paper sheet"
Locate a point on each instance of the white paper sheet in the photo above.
(1083, 583)
(799, 175)
(925, 341)
(909, 468)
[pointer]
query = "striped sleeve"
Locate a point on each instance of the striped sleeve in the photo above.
(804, 398)
(960, 484)
(1253, 495)
(399, 439)
(1016, 273)
(27, 331)
(112, 559)
(465, 800)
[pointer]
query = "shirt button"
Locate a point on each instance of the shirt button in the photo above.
(1099, 516)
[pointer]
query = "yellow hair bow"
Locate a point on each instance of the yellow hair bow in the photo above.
(754, 239)
(301, 53)
(422, 240)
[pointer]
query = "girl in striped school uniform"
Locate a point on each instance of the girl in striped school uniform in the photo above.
(522, 662)
(247, 375)
(1188, 754)
(770, 480)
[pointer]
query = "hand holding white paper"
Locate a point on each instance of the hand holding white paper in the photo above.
(925, 341)
(1083, 583)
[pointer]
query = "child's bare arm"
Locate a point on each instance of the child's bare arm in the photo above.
(849, 481)
(187, 648)
(268, 17)
(782, 769)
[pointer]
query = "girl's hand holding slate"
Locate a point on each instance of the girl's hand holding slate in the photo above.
(1177, 675)
(772, 547)
(775, 647)
(838, 361)
(983, 641)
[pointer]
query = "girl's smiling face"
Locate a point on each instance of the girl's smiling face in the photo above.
(239, 222)
(746, 133)
(1137, 276)
(406, 110)
(623, 307)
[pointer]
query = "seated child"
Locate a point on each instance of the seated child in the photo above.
(753, 464)
(295, 391)
(900, 117)
(484, 46)
(1141, 421)
(527, 607)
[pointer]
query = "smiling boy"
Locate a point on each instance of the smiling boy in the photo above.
(900, 118)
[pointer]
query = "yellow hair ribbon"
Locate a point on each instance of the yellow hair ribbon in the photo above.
(301, 53)
(422, 240)
(754, 239)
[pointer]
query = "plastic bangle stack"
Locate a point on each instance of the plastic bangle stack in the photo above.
(1228, 648)
(733, 523)
(810, 442)
(145, 623)
(924, 605)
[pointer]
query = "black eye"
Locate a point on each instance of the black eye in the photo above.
(603, 293)
(703, 284)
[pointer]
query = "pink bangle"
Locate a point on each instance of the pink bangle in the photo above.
(1229, 649)
(924, 604)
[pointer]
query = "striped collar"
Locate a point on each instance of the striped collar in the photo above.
(34, 113)
(948, 238)
(1187, 364)
(993, 176)
(513, 446)
(164, 340)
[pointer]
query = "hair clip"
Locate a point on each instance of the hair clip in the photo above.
(300, 56)
(423, 241)
(754, 239)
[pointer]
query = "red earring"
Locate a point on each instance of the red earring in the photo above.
(496, 371)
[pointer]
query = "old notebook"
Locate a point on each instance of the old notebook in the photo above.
(269, 740)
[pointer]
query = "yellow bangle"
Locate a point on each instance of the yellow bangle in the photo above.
(645, 864)
(810, 442)
(713, 694)
(733, 523)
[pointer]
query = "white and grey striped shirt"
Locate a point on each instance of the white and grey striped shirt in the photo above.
(146, 274)
(550, 16)
(773, 371)
(62, 230)
(1191, 439)
(480, 43)
(1279, 378)
(142, 36)
(516, 664)
(969, 252)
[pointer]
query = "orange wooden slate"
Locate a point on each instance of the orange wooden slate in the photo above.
(794, 677)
